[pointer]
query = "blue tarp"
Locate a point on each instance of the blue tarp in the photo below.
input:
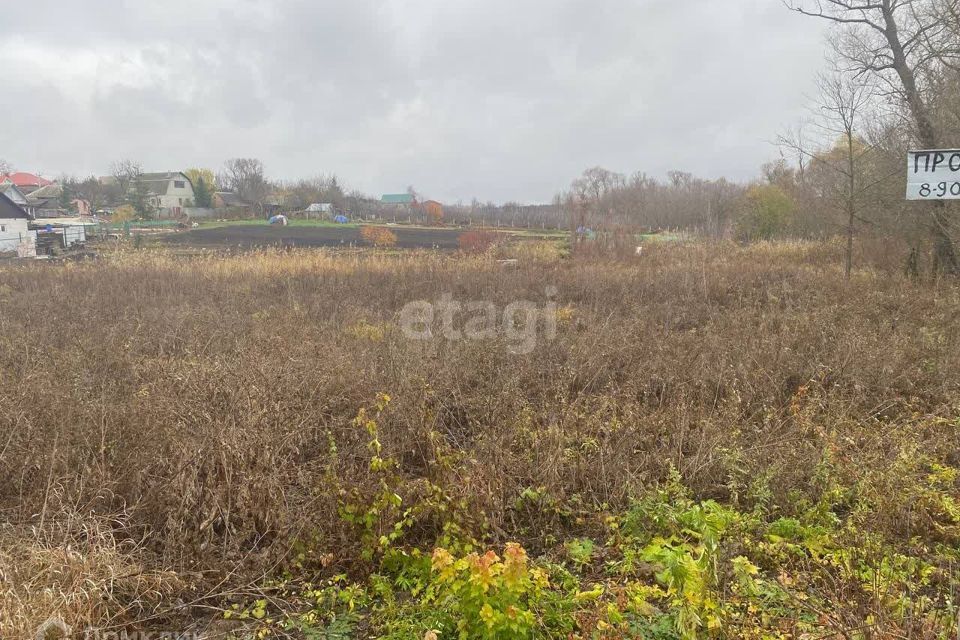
(341, 219)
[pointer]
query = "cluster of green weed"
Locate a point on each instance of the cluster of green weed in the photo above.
(670, 568)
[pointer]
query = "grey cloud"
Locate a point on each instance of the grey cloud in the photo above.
(495, 99)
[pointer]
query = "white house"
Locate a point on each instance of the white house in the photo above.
(170, 192)
(14, 224)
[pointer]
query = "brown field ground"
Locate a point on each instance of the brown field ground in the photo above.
(305, 237)
(721, 441)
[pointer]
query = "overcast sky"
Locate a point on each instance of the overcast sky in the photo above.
(498, 99)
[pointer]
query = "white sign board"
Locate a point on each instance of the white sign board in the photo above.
(933, 175)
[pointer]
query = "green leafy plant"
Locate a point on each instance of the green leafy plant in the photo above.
(580, 551)
(381, 518)
(484, 596)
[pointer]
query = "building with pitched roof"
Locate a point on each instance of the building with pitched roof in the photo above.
(45, 201)
(169, 192)
(229, 200)
(26, 182)
(14, 224)
(166, 192)
(13, 192)
(399, 199)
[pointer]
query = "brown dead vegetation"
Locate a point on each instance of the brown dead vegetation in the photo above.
(173, 429)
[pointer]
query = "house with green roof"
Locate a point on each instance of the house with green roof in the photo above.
(401, 199)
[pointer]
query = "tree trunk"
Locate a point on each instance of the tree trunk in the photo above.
(945, 252)
(849, 264)
(851, 203)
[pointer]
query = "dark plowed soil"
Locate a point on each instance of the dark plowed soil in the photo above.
(273, 236)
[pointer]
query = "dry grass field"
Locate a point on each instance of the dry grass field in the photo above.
(720, 441)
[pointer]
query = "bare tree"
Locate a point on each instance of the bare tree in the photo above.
(5, 167)
(244, 176)
(904, 45)
(597, 182)
(131, 189)
(302, 193)
(125, 173)
(592, 191)
(93, 191)
(842, 102)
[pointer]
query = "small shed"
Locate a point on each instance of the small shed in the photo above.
(71, 231)
(228, 200)
(319, 210)
(14, 224)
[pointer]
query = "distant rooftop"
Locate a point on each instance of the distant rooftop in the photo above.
(397, 198)
(158, 176)
(162, 176)
(48, 191)
(22, 179)
(10, 209)
(13, 192)
(231, 199)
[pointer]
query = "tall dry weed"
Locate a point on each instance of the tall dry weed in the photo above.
(205, 405)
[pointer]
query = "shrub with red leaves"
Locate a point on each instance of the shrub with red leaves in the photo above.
(478, 241)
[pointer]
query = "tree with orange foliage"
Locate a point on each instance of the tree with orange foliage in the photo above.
(378, 236)
(434, 211)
